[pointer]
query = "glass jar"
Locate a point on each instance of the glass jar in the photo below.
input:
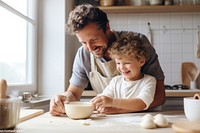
(168, 2)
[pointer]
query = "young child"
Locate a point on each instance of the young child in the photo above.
(132, 91)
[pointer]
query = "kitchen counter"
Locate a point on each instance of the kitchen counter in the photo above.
(41, 102)
(181, 93)
(169, 93)
(129, 123)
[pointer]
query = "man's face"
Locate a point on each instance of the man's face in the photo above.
(93, 39)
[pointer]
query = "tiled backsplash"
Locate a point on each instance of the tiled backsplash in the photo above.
(174, 37)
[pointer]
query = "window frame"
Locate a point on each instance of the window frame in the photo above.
(31, 45)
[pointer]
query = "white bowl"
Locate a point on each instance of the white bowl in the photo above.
(79, 110)
(192, 108)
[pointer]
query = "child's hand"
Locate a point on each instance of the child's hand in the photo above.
(102, 101)
(108, 110)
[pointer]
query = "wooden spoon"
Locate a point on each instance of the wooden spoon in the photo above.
(4, 113)
(3, 88)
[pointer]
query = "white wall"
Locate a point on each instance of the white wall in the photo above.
(174, 46)
(53, 51)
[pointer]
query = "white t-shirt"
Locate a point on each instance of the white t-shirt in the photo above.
(143, 88)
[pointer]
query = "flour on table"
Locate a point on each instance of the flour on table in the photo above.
(86, 122)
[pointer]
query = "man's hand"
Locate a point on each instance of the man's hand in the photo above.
(57, 104)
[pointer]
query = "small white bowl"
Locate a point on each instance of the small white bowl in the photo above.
(79, 110)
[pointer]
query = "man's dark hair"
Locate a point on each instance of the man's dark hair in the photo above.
(84, 14)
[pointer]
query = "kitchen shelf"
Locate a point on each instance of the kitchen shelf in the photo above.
(151, 9)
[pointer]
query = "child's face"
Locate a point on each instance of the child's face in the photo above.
(130, 67)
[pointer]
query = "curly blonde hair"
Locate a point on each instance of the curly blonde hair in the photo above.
(128, 46)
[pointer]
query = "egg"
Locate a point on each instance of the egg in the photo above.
(161, 121)
(147, 122)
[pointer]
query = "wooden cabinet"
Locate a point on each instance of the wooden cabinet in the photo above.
(151, 9)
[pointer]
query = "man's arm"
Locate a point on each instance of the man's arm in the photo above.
(74, 92)
(159, 97)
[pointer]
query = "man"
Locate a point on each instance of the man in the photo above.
(93, 64)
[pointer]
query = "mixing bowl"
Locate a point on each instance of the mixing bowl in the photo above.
(192, 108)
(79, 110)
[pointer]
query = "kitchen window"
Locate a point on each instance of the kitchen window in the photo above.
(18, 44)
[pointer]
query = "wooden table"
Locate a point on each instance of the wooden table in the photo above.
(128, 123)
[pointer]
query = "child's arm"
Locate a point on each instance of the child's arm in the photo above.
(131, 104)
(112, 110)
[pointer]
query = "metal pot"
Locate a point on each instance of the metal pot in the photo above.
(9, 112)
(9, 108)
